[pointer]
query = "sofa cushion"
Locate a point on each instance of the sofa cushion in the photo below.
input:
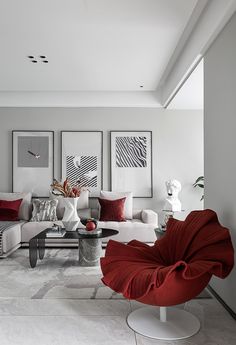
(31, 229)
(83, 202)
(25, 207)
(128, 208)
(112, 210)
(9, 210)
(129, 230)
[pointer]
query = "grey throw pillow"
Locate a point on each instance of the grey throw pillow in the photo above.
(44, 210)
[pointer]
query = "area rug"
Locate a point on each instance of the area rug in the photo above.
(57, 276)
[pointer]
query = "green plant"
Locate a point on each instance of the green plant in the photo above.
(199, 183)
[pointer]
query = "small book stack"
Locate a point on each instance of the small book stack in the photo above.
(56, 232)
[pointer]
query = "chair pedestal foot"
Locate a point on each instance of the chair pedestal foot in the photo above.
(179, 323)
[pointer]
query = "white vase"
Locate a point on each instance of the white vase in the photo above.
(70, 218)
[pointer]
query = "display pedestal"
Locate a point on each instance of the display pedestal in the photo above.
(167, 215)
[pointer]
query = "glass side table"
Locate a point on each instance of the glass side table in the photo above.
(167, 215)
(160, 232)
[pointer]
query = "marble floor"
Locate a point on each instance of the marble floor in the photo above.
(60, 303)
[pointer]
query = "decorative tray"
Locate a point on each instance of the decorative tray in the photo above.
(89, 233)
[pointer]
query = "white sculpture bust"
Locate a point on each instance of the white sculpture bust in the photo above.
(173, 203)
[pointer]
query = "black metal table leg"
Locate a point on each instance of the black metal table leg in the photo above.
(33, 252)
(41, 247)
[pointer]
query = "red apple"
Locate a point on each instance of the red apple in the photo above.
(90, 226)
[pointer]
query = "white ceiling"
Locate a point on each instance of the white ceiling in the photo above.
(91, 45)
(190, 96)
(121, 53)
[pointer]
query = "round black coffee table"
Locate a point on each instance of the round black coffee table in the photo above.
(90, 246)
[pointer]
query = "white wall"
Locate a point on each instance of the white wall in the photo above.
(220, 141)
(177, 142)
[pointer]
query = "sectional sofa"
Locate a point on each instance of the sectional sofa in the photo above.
(140, 227)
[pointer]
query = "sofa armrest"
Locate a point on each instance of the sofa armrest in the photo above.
(149, 217)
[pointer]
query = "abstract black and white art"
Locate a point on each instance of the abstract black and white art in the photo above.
(82, 171)
(131, 162)
(82, 159)
(131, 152)
(33, 165)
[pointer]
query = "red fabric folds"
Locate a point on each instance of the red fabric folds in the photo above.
(177, 267)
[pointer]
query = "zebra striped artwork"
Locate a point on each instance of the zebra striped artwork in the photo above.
(131, 151)
(131, 162)
(82, 170)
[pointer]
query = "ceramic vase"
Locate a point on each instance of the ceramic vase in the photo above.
(70, 218)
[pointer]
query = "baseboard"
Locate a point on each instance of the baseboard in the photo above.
(215, 294)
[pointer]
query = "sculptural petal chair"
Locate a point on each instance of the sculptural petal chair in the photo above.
(174, 270)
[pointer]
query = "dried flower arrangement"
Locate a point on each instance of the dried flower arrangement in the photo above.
(65, 189)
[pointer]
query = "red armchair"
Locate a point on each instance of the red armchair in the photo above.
(176, 269)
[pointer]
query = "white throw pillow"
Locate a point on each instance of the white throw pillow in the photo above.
(118, 195)
(25, 207)
(83, 202)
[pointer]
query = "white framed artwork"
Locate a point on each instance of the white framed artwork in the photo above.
(131, 162)
(82, 159)
(32, 162)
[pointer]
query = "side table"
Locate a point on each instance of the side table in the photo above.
(159, 232)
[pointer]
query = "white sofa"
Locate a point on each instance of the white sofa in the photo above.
(140, 227)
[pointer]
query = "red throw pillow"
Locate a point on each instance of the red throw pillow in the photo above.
(112, 210)
(9, 209)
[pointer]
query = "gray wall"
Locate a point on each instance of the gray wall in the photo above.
(177, 142)
(220, 141)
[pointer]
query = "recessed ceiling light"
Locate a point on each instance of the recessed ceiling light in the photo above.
(41, 58)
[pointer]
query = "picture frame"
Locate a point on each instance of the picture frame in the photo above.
(131, 162)
(32, 161)
(82, 159)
